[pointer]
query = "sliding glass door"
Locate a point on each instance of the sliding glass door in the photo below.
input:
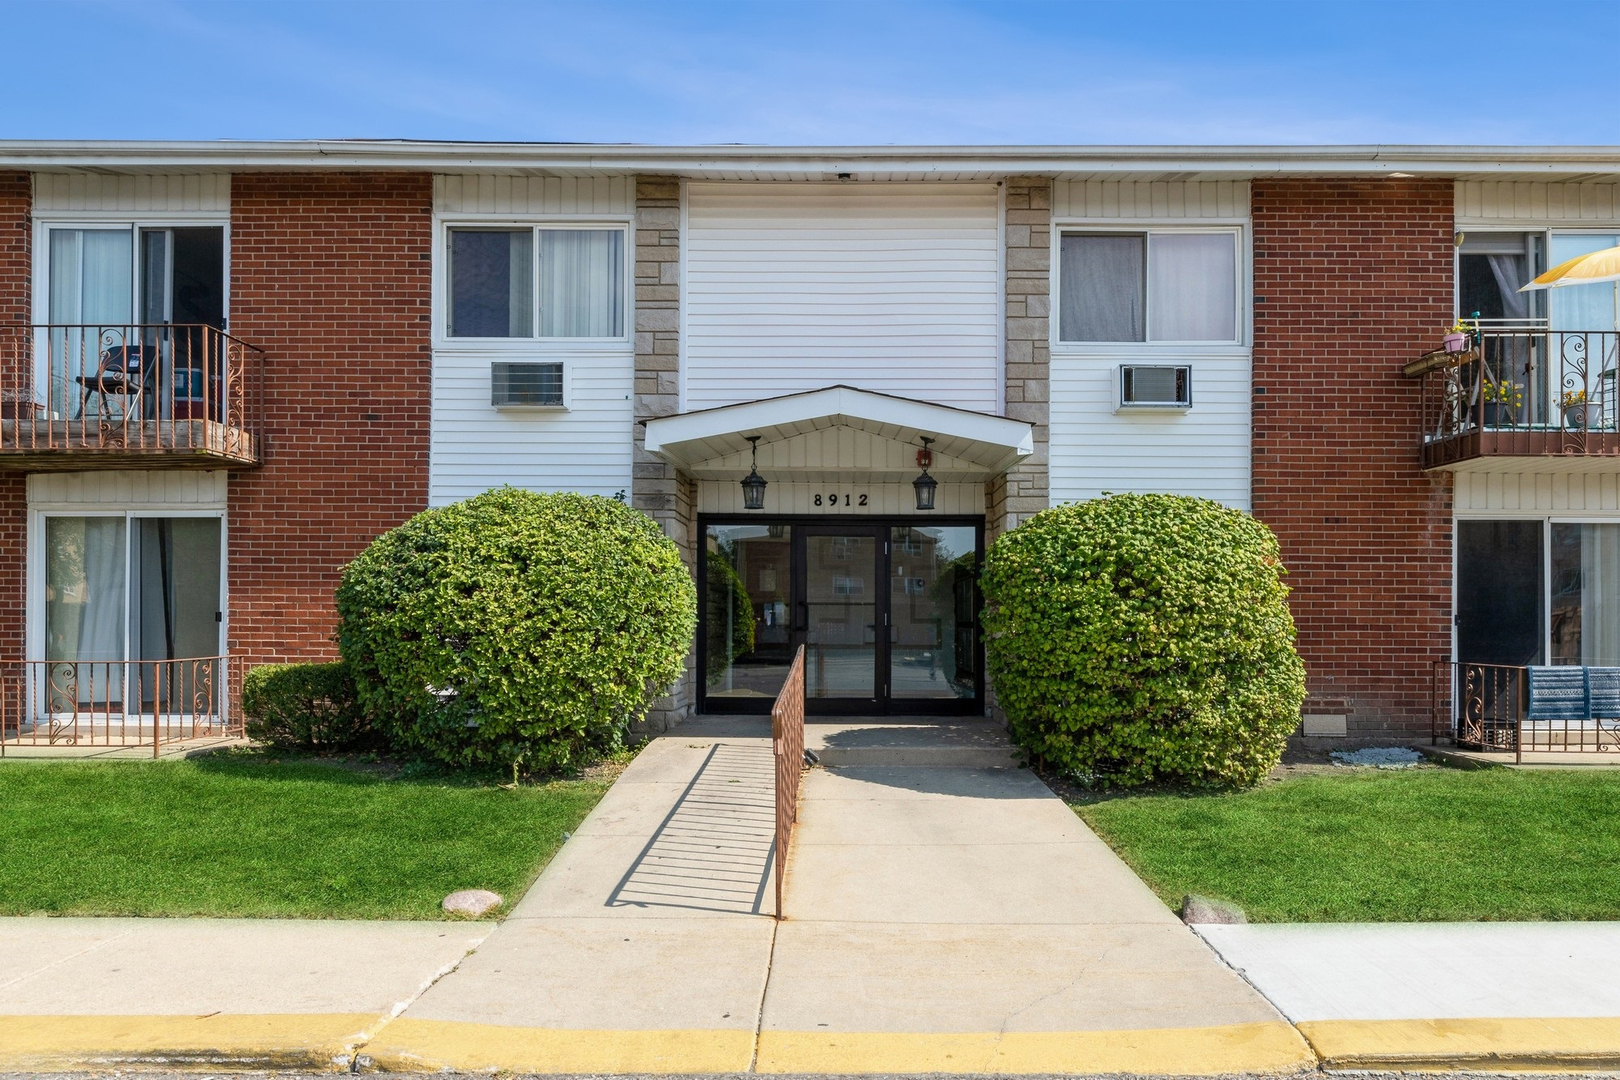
(122, 592)
(107, 287)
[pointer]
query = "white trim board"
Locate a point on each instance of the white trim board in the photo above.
(993, 443)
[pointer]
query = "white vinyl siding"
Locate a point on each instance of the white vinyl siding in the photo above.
(793, 287)
(132, 489)
(1588, 491)
(475, 446)
(1101, 201)
(1485, 203)
(140, 194)
(1204, 451)
(532, 196)
(1097, 448)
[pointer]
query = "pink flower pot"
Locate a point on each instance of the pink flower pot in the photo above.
(1455, 343)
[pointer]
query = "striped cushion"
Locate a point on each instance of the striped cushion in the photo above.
(1558, 693)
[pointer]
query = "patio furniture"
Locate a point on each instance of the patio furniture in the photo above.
(123, 373)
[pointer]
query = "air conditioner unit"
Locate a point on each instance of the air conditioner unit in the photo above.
(526, 386)
(1152, 386)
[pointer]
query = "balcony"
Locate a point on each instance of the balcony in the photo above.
(1520, 391)
(128, 396)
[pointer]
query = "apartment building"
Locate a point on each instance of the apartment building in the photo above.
(225, 367)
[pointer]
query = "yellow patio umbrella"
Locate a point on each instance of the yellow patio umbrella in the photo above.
(1588, 269)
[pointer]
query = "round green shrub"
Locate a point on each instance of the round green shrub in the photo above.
(1144, 638)
(516, 629)
(305, 707)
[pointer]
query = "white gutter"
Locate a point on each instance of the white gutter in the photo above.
(701, 161)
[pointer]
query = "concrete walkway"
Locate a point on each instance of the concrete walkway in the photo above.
(1440, 995)
(946, 913)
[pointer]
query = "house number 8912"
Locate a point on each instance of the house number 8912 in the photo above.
(833, 499)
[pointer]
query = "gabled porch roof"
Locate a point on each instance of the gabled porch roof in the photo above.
(975, 445)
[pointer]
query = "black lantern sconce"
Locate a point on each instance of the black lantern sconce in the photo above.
(753, 484)
(925, 484)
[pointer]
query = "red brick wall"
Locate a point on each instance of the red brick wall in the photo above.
(16, 199)
(330, 275)
(1353, 279)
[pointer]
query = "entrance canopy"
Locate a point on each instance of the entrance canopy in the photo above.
(837, 431)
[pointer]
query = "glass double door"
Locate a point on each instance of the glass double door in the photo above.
(887, 614)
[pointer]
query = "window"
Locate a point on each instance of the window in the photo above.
(1148, 286)
(533, 282)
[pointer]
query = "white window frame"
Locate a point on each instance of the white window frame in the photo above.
(34, 631)
(1547, 522)
(444, 222)
(1242, 307)
(121, 220)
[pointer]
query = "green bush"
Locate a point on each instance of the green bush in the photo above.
(1144, 638)
(304, 706)
(516, 629)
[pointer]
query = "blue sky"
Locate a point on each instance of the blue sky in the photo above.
(838, 72)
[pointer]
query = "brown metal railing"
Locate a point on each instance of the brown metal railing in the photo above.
(787, 743)
(1523, 391)
(1485, 707)
(140, 387)
(118, 702)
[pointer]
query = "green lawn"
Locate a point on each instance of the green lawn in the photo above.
(246, 835)
(1421, 845)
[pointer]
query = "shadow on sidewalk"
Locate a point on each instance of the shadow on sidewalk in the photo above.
(713, 850)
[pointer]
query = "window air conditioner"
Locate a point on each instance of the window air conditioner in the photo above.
(1144, 386)
(526, 386)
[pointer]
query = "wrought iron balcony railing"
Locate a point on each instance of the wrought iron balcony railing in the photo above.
(1521, 390)
(103, 395)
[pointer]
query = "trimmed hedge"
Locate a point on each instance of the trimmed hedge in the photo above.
(1144, 638)
(516, 629)
(304, 706)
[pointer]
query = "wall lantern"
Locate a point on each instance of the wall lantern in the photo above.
(924, 484)
(753, 484)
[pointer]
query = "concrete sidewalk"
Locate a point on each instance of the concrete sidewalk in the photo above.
(292, 994)
(946, 913)
(1440, 995)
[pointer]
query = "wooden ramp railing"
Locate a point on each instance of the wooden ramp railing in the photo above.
(787, 743)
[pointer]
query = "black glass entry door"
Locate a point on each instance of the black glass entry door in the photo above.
(886, 609)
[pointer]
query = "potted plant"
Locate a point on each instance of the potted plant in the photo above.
(1458, 338)
(1575, 408)
(1502, 402)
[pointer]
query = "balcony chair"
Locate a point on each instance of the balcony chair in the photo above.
(123, 373)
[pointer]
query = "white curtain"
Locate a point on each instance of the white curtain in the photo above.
(1600, 594)
(1103, 279)
(1510, 274)
(91, 285)
(1192, 287)
(581, 283)
(85, 563)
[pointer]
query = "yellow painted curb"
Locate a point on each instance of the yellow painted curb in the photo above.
(1565, 1042)
(295, 1040)
(408, 1045)
(1268, 1047)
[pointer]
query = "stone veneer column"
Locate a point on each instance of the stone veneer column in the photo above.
(657, 488)
(1025, 490)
